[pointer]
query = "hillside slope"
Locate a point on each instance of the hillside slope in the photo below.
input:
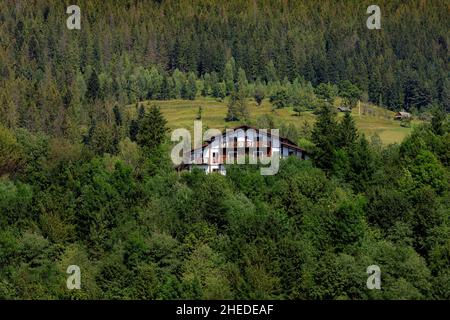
(182, 113)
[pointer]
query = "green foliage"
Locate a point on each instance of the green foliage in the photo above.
(327, 91)
(350, 93)
(324, 136)
(426, 170)
(150, 233)
(115, 206)
(438, 121)
(347, 133)
(280, 98)
(237, 107)
(152, 129)
(10, 152)
(259, 95)
(189, 90)
(56, 86)
(93, 86)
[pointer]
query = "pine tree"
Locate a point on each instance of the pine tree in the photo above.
(290, 63)
(237, 107)
(190, 87)
(242, 108)
(232, 113)
(152, 130)
(350, 93)
(444, 95)
(134, 129)
(324, 137)
(228, 76)
(347, 132)
(362, 164)
(271, 72)
(206, 85)
(280, 98)
(242, 83)
(165, 89)
(134, 124)
(326, 91)
(220, 90)
(438, 120)
(259, 94)
(93, 87)
(117, 115)
(33, 48)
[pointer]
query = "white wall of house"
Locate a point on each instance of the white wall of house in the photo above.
(210, 158)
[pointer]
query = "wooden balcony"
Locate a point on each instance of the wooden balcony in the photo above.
(229, 160)
(240, 146)
(247, 144)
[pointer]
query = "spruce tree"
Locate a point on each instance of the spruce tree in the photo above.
(93, 86)
(232, 113)
(324, 137)
(438, 120)
(259, 94)
(134, 129)
(117, 115)
(152, 130)
(362, 164)
(228, 76)
(191, 87)
(347, 132)
(134, 124)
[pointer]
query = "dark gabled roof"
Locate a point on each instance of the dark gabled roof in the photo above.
(403, 113)
(245, 127)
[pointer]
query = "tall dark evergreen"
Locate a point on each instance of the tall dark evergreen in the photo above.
(347, 133)
(117, 115)
(325, 137)
(438, 120)
(152, 129)
(93, 86)
(259, 94)
(233, 112)
(133, 129)
(115, 205)
(362, 164)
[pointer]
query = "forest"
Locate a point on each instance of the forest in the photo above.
(86, 177)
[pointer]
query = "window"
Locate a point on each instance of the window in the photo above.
(259, 154)
(232, 156)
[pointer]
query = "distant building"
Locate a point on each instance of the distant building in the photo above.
(344, 109)
(214, 154)
(402, 116)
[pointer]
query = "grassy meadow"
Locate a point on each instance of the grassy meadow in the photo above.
(369, 119)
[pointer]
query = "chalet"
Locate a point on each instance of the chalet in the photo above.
(241, 141)
(402, 115)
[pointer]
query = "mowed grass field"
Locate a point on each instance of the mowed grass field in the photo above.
(182, 113)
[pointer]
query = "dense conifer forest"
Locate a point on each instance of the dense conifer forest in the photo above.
(85, 171)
